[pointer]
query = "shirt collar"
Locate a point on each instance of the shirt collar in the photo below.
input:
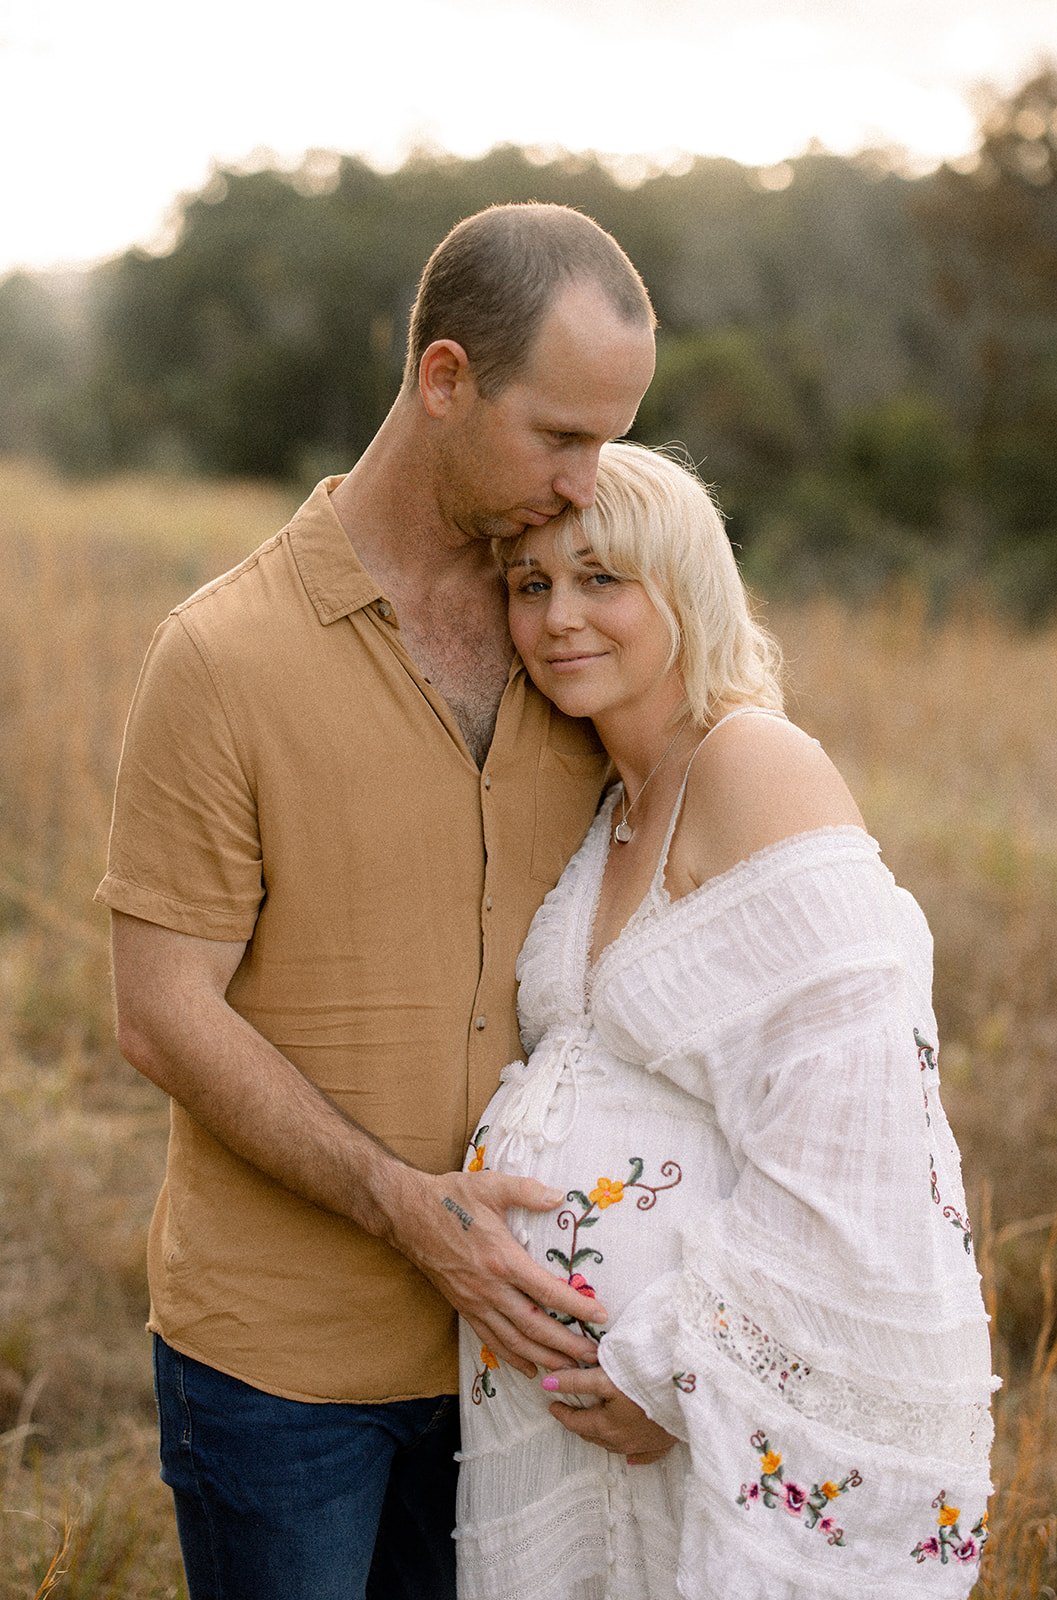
(335, 580)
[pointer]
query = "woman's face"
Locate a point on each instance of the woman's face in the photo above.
(593, 642)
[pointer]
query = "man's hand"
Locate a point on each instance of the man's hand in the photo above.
(454, 1228)
(613, 1421)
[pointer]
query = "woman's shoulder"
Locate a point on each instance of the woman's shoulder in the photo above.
(756, 781)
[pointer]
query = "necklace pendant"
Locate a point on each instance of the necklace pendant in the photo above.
(623, 832)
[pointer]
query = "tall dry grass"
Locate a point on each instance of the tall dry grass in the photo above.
(944, 732)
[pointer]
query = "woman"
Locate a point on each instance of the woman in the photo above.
(732, 1076)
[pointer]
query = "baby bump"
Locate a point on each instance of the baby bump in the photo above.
(627, 1166)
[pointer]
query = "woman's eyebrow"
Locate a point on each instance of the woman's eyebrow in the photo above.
(521, 561)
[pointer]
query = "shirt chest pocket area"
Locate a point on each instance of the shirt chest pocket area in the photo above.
(568, 786)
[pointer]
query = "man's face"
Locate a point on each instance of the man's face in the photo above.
(516, 461)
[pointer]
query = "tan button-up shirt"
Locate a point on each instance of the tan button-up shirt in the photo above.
(289, 778)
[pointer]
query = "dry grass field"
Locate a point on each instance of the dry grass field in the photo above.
(943, 729)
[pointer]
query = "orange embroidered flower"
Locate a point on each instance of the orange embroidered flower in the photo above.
(607, 1193)
(949, 1516)
(983, 1519)
(477, 1164)
(490, 1359)
(771, 1461)
(830, 1490)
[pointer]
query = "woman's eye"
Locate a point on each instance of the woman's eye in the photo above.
(602, 578)
(532, 586)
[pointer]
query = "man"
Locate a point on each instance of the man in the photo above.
(337, 811)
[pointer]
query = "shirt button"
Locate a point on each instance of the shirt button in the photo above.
(488, 780)
(480, 1023)
(385, 609)
(488, 902)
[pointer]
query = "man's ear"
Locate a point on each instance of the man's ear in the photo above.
(443, 372)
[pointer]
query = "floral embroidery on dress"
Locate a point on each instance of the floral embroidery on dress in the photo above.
(810, 1505)
(482, 1381)
(948, 1544)
(607, 1192)
(952, 1214)
(928, 1057)
(928, 1061)
(475, 1163)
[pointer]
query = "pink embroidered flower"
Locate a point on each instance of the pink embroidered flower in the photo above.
(795, 1499)
(928, 1547)
(750, 1491)
(967, 1551)
(581, 1285)
(827, 1525)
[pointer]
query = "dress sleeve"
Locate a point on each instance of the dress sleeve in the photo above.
(824, 1349)
(184, 842)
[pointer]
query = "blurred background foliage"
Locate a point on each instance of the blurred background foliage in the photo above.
(865, 364)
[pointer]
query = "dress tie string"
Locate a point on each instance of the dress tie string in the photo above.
(526, 1122)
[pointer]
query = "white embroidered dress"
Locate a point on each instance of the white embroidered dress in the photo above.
(740, 1100)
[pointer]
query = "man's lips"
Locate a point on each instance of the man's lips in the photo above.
(537, 519)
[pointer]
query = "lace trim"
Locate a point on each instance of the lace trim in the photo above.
(959, 1433)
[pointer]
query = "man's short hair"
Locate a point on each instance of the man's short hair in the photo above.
(490, 283)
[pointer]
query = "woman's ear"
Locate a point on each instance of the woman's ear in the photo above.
(442, 372)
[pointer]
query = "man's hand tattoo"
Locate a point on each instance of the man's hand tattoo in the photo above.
(456, 1210)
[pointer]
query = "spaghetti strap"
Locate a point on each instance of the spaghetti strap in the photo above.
(657, 887)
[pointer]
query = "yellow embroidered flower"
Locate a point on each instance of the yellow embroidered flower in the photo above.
(477, 1164)
(607, 1193)
(771, 1461)
(830, 1490)
(983, 1519)
(949, 1516)
(490, 1359)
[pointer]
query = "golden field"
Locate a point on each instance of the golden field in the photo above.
(943, 728)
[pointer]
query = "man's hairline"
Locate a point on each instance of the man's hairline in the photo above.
(647, 321)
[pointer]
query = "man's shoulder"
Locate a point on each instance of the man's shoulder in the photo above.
(241, 592)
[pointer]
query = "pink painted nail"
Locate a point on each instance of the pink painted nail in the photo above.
(549, 1383)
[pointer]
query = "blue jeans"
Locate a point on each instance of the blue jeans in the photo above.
(283, 1500)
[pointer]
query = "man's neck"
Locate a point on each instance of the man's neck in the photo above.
(447, 591)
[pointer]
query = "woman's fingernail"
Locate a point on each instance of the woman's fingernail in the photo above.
(550, 1383)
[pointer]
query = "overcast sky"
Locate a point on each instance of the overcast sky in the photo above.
(110, 108)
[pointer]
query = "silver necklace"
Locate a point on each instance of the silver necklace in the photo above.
(624, 832)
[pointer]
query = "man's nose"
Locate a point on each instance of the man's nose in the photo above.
(576, 481)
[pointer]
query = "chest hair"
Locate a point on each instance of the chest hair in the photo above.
(467, 660)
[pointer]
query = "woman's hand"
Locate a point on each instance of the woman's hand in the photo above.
(609, 1418)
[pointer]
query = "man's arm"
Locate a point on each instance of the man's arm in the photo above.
(176, 1027)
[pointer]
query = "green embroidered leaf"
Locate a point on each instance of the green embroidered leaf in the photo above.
(588, 1222)
(560, 1257)
(637, 1165)
(586, 1254)
(580, 1198)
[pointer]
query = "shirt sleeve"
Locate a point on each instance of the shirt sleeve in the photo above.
(184, 843)
(824, 1349)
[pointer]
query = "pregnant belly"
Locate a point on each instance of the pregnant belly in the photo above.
(628, 1170)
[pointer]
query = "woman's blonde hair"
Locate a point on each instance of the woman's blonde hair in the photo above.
(654, 521)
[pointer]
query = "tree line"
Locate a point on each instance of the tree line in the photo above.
(864, 364)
